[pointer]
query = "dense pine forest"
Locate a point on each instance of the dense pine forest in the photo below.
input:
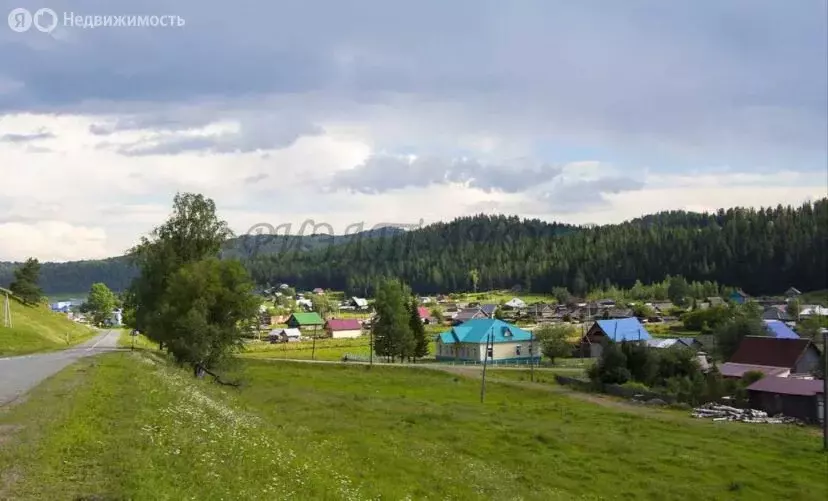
(763, 251)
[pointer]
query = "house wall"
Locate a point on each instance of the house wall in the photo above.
(809, 362)
(346, 334)
(476, 352)
(801, 407)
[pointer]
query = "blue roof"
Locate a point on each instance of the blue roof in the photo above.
(778, 329)
(624, 329)
(476, 330)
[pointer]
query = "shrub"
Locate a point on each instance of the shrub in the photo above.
(636, 386)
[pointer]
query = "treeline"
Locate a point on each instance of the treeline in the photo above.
(78, 276)
(763, 251)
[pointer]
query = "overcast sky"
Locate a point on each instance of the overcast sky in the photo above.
(381, 111)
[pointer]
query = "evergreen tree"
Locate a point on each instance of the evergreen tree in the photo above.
(418, 331)
(678, 290)
(392, 330)
(25, 284)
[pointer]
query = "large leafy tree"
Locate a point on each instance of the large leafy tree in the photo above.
(100, 303)
(25, 284)
(746, 321)
(192, 233)
(204, 310)
(554, 340)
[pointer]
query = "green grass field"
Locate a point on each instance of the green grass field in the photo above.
(37, 328)
(130, 426)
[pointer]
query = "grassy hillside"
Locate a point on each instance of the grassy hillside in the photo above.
(37, 328)
(137, 428)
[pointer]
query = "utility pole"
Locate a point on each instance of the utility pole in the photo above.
(532, 355)
(371, 345)
(486, 355)
(7, 320)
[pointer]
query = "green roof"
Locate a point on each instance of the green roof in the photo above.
(311, 318)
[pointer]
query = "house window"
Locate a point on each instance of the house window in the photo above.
(517, 350)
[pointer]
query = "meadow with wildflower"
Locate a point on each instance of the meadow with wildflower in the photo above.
(137, 427)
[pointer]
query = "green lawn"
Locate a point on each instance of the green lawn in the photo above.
(134, 427)
(37, 328)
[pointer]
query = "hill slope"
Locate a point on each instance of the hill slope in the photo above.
(37, 328)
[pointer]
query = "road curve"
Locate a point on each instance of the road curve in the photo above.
(20, 374)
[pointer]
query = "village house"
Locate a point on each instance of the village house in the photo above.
(779, 357)
(813, 310)
(467, 314)
(425, 315)
(285, 336)
(467, 342)
(540, 312)
(715, 301)
(778, 329)
(515, 304)
(682, 342)
(319, 291)
(359, 303)
(343, 328)
(776, 312)
(792, 293)
(617, 330)
(308, 320)
(800, 398)
(616, 312)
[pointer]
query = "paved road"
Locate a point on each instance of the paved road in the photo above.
(20, 374)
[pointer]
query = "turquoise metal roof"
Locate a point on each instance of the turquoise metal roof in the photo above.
(624, 329)
(475, 331)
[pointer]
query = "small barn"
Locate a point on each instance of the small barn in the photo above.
(343, 328)
(285, 336)
(800, 398)
(617, 330)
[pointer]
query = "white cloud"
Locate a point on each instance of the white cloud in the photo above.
(52, 241)
(691, 106)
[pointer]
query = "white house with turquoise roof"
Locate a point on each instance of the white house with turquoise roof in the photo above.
(467, 342)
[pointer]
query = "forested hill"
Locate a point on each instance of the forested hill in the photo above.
(763, 251)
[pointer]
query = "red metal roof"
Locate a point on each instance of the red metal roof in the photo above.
(774, 352)
(788, 386)
(343, 324)
(423, 312)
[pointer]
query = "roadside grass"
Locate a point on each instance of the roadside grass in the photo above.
(131, 426)
(142, 342)
(137, 428)
(37, 328)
